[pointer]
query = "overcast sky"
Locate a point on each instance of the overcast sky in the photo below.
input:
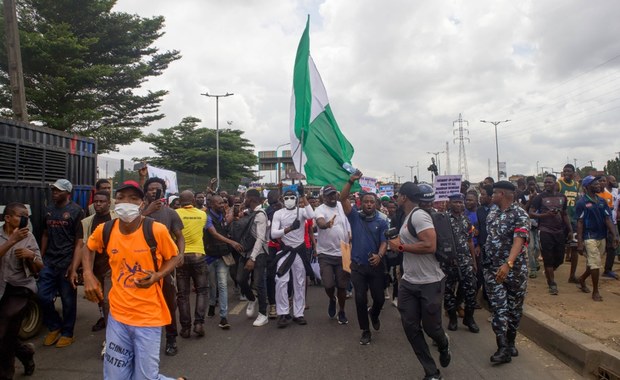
(398, 73)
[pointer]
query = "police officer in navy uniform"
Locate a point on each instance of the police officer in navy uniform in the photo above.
(505, 268)
(461, 274)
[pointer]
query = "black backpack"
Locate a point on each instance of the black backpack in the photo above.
(241, 231)
(446, 246)
(147, 230)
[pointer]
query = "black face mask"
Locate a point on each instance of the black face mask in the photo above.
(368, 218)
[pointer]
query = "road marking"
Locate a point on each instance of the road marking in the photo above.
(237, 309)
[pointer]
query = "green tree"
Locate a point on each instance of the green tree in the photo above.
(190, 149)
(585, 171)
(82, 65)
(613, 167)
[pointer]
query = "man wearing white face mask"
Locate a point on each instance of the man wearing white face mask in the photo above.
(286, 226)
(138, 309)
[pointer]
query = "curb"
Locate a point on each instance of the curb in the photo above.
(584, 354)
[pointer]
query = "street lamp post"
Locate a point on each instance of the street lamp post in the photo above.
(436, 154)
(278, 158)
(217, 131)
(495, 123)
(414, 166)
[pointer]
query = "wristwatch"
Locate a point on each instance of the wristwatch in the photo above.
(510, 264)
(401, 248)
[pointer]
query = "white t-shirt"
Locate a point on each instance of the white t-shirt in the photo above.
(283, 218)
(328, 241)
(417, 268)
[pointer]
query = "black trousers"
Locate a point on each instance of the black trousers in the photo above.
(271, 275)
(12, 307)
(420, 311)
(365, 277)
(170, 295)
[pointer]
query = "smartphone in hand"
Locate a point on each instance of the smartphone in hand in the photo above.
(23, 222)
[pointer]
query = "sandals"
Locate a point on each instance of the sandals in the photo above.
(584, 288)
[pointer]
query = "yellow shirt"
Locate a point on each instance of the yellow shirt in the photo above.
(194, 220)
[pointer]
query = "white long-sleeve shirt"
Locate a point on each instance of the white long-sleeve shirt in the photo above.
(260, 231)
(283, 218)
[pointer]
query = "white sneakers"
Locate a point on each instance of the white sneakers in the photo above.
(261, 320)
(251, 310)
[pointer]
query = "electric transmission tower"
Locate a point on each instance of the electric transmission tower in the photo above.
(462, 169)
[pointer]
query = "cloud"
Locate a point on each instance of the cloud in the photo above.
(398, 75)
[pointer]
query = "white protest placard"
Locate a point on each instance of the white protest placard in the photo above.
(446, 185)
(368, 184)
(169, 177)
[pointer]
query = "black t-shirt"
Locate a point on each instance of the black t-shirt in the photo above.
(545, 202)
(62, 226)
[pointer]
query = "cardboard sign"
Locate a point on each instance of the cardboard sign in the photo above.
(369, 185)
(446, 185)
(169, 177)
(386, 190)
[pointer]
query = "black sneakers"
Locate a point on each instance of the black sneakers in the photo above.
(283, 321)
(300, 321)
(365, 339)
(224, 325)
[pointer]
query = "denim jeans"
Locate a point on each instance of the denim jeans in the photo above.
(131, 352)
(194, 268)
(218, 282)
(52, 280)
(243, 279)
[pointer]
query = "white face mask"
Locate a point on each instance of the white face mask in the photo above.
(127, 212)
(290, 202)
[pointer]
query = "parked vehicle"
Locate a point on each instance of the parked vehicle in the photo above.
(32, 158)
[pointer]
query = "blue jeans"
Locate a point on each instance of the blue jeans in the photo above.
(218, 276)
(131, 352)
(194, 268)
(52, 280)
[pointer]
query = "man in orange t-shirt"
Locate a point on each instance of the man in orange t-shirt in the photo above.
(137, 306)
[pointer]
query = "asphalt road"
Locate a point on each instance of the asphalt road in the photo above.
(323, 349)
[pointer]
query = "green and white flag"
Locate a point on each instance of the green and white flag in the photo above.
(324, 149)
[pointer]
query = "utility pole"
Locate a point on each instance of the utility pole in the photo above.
(575, 163)
(591, 163)
(414, 166)
(217, 131)
(462, 156)
(436, 154)
(448, 169)
(495, 123)
(16, 73)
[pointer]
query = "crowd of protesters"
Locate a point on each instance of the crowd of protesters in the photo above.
(141, 256)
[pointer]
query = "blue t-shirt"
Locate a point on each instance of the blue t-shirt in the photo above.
(593, 212)
(364, 243)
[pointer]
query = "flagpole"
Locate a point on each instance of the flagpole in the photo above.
(301, 153)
